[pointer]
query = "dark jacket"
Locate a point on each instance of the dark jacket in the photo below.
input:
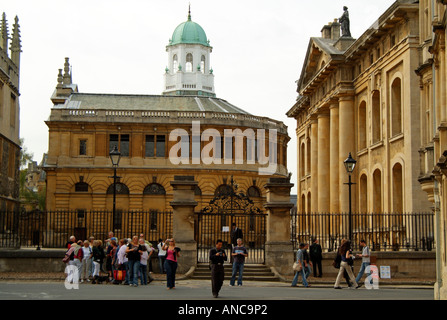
(315, 252)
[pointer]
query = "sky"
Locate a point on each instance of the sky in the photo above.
(116, 46)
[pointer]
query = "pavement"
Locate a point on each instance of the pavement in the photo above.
(324, 282)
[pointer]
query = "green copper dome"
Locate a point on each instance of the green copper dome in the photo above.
(189, 32)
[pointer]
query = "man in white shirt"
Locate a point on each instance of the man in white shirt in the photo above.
(365, 260)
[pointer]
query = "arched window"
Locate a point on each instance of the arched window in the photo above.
(397, 188)
(375, 114)
(189, 62)
(81, 187)
(197, 191)
(362, 125)
(223, 190)
(175, 63)
(363, 195)
(302, 162)
(377, 192)
(121, 188)
(396, 107)
(202, 64)
(253, 192)
(154, 189)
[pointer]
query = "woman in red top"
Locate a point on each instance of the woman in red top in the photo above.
(172, 253)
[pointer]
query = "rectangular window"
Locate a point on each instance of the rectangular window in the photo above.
(125, 145)
(160, 147)
(82, 147)
(12, 162)
(122, 141)
(150, 146)
(13, 111)
(113, 141)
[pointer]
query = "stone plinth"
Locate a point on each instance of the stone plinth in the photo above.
(278, 247)
(183, 205)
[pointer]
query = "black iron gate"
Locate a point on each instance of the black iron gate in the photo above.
(215, 221)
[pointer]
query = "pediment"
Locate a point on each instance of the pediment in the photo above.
(320, 52)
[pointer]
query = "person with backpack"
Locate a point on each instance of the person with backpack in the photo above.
(316, 257)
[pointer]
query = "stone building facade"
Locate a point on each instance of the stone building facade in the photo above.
(361, 96)
(9, 115)
(186, 131)
(432, 74)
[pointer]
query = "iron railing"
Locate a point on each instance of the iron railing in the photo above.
(213, 226)
(381, 231)
(52, 229)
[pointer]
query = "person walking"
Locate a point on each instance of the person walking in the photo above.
(365, 255)
(134, 250)
(172, 253)
(345, 253)
(307, 263)
(217, 257)
(239, 254)
(161, 255)
(316, 257)
(300, 262)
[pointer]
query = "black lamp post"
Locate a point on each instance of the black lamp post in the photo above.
(350, 165)
(115, 156)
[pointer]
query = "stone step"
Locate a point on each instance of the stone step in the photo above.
(252, 272)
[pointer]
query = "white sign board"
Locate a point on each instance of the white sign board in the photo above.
(225, 229)
(385, 272)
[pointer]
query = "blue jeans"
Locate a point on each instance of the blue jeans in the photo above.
(362, 270)
(161, 261)
(303, 275)
(143, 274)
(134, 267)
(171, 268)
(237, 266)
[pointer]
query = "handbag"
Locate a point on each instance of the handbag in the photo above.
(66, 259)
(296, 267)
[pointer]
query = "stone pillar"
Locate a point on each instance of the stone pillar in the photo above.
(183, 205)
(323, 163)
(314, 166)
(334, 159)
(346, 146)
(278, 247)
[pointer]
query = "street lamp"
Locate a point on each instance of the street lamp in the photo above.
(115, 156)
(350, 165)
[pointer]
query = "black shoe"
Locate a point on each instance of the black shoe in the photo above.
(337, 287)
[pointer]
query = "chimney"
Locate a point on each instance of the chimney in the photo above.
(331, 31)
(335, 30)
(326, 31)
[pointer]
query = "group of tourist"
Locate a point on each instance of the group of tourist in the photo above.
(125, 260)
(344, 261)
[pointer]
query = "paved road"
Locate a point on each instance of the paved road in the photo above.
(200, 290)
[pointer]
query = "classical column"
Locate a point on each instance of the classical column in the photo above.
(346, 146)
(323, 163)
(183, 205)
(314, 166)
(334, 159)
(278, 248)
